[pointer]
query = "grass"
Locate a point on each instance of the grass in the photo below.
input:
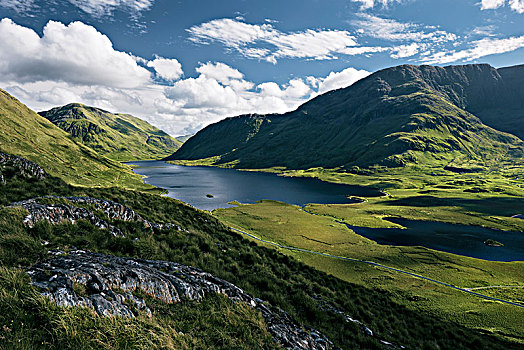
(215, 323)
(26, 134)
(120, 137)
(31, 321)
(290, 225)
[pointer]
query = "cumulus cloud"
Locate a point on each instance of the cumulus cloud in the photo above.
(201, 92)
(76, 63)
(188, 104)
(220, 72)
(246, 38)
(166, 68)
(491, 4)
(515, 5)
(337, 80)
(480, 48)
(75, 53)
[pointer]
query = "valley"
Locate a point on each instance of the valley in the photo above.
(258, 239)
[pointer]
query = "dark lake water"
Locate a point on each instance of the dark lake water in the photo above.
(456, 239)
(192, 184)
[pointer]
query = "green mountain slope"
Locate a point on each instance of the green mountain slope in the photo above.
(24, 133)
(120, 137)
(397, 116)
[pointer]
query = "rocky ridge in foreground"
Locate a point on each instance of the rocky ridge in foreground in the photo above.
(60, 213)
(24, 167)
(107, 284)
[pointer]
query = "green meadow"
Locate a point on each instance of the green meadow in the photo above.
(486, 199)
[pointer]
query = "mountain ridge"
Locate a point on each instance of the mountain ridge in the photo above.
(394, 117)
(121, 137)
(24, 133)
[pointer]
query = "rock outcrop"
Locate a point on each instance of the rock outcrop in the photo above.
(59, 213)
(24, 167)
(108, 284)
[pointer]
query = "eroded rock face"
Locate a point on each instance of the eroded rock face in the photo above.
(108, 283)
(24, 167)
(59, 213)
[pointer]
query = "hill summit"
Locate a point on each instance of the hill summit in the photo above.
(121, 137)
(394, 117)
(23, 133)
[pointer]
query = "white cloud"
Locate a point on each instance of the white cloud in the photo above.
(189, 104)
(219, 71)
(244, 37)
(231, 33)
(404, 51)
(392, 30)
(96, 8)
(367, 4)
(491, 4)
(201, 92)
(225, 75)
(481, 48)
(107, 7)
(515, 5)
(484, 30)
(76, 53)
(19, 6)
(166, 68)
(337, 80)
(76, 63)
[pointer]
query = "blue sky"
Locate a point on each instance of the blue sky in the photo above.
(184, 64)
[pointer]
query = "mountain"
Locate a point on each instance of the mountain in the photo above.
(121, 137)
(184, 138)
(396, 116)
(26, 134)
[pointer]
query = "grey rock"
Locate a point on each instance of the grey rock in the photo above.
(109, 284)
(59, 213)
(25, 167)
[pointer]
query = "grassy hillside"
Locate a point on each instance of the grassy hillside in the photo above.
(395, 117)
(30, 321)
(24, 133)
(120, 137)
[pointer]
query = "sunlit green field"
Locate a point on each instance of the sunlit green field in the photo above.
(419, 197)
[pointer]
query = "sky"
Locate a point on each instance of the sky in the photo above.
(182, 65)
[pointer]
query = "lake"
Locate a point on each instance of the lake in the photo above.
(451, 238)
(193, 184)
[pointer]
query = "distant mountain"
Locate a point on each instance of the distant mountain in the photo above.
(120, 137)
(396, 116)
(184, 138)
(26, 134)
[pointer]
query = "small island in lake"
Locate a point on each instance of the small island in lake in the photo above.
(492, 243)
